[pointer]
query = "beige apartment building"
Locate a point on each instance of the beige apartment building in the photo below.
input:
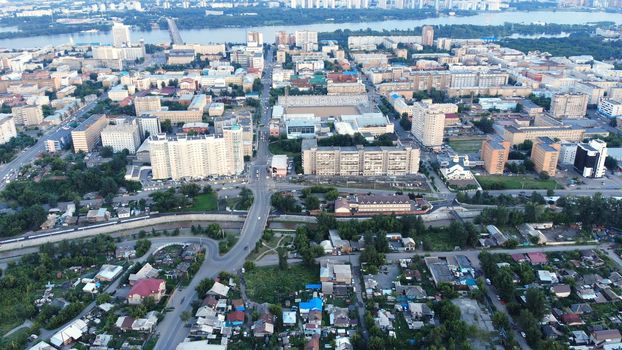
(144, 104)
(518, 134)
(428, 125)
(27, 115)
(569, 105)
(545, 155)
(123, 135)
(88, 134)
(494, 153)
(185, 156)
(189, 116)
(359, 161)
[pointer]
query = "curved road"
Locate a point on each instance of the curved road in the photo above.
(172, 330)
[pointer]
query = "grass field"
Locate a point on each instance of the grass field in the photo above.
(466, 146)
(204, 202)
(272, 285)
(520, 182)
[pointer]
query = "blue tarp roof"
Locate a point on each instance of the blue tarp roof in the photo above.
(313, 304)
(313, 286)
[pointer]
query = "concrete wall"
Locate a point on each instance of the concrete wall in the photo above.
(167, 219)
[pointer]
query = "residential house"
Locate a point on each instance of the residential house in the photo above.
(235, 319)
(605, 336)
(147, 271)
(147, 288)
(339, 317)
(561, 290)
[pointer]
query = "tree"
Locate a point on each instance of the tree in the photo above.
(166, 126)
(142, 247)
(190, 189)
(106, 152)
(544, 175)
(185, 316)
(611, 163)
(535, 302)
(282, 252)
(204, 286)
(312, 202)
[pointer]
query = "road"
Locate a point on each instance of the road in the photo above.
(31, 153)
(171, 330)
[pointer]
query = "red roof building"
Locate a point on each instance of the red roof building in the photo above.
(537, 258)
(147, 288)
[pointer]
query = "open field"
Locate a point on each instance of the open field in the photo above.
(519, 182)
(466, 146)
(272, 285)
(204, 202)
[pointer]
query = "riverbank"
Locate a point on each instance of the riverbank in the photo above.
(236, 35)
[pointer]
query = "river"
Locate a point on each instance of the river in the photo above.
(238, 34)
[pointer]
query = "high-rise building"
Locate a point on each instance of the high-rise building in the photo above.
(427, 35)
(88, 134)
(120, 35)
(145, 104)
(545, 155)
(184, 156)
(306, 40)
(495, 152)
(7, 128)
(234, 141)
(281, 38)
(148, 125)
(123, 135)
(428, 125)
(254, 39)
(358, 161)
(569, 105)
(27, 115)
(590, 158)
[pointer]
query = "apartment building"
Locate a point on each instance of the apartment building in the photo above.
(427, 36)
(359, 161)
(146, 104)
(88, 134)
(148, 125)
(306, 40)
(545, 155)
(189, 116)
(7, 128)
(184, 156)
(428, 125)
(518, 134)
(123, 135)
(590, 158)
(494, 153)
(569, 105)
(610, 108)
(567, 152)
(27, 115)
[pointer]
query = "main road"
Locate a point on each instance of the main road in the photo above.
(172, 330)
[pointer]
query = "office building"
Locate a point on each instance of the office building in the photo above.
(545, 155)
(428, 125)
(146, 104)
(184, 156)
(590, 158)
(495, 152)
(610, 108)
(120, 35)
(306, 40)
(359, 161)
(569, 105)
(148, 125)
(123, 135)
(427, 36)
(254, 39)
(88, 134)
(27, 115)
(7, 128)
(518, 134)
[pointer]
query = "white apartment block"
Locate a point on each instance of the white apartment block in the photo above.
(148, 125)
(428, 125)
(359, 161)
(185, 156)
(306, 40)
(124, 135)
(610, 108)
(7, 128)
